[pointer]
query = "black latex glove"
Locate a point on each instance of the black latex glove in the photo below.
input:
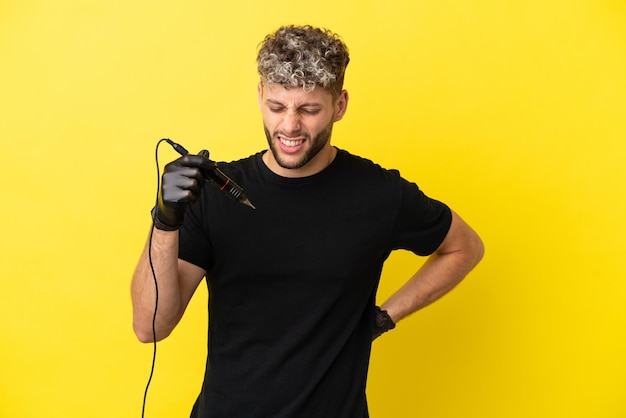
(181, 185)
(382, 322)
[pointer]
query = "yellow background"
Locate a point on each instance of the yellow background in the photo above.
(511, 112)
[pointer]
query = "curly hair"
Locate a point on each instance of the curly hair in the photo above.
(303, 56)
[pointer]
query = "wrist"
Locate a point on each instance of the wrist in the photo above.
(158, 223)
(382, 322)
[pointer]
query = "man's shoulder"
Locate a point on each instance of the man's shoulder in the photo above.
(245, 164)
(355, 162)
(245, 161)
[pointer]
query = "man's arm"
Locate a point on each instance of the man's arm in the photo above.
(458, 254)
(177, 281)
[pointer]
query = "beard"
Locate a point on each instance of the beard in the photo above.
(316, 145)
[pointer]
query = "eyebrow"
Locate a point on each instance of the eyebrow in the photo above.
(306, 104)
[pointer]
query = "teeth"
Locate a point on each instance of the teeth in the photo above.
(290, 143)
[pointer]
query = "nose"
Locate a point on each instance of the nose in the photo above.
(291, 122)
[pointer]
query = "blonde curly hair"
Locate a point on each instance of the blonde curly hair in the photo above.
(303, 56)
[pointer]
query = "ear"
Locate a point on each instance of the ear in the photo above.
(260, 93)
(341, 105)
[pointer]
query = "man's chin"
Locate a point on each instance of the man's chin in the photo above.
(289, 162)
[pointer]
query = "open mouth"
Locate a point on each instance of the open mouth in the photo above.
(290, 142)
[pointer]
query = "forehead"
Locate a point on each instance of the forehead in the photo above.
(296, 95)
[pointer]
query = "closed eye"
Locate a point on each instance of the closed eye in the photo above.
(310, 111)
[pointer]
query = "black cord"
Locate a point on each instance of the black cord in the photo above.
(156, 286)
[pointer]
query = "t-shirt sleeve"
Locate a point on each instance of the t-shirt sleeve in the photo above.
(422, 222)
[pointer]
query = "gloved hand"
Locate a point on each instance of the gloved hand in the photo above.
(181, 185)
(382, 322)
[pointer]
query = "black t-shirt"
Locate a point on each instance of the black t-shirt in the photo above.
(292, 283)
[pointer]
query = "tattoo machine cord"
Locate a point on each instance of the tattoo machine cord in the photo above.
(156, 286)
(229, 188)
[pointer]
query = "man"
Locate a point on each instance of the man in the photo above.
(292, 283)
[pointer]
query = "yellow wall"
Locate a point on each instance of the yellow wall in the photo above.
(512, 112)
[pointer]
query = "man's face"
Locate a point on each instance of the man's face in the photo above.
(298, 127)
